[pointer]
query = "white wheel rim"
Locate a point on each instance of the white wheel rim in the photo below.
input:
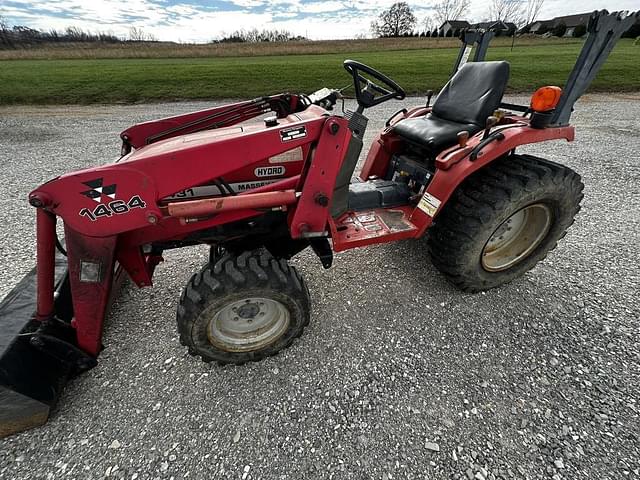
(248, 324)
(517, 237)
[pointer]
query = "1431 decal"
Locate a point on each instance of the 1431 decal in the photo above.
(117, 207)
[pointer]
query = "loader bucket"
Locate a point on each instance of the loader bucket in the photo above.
(35, 364)
(30, 380)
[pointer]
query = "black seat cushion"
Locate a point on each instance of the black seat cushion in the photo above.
(464, 103)
(433, 133)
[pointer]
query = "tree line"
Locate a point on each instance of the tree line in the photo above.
(20, 35)
(23, 36)
(400, 21)
(255, 36)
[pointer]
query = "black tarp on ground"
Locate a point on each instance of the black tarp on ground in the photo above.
(30, 380)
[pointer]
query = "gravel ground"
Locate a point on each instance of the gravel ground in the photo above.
(398, 376)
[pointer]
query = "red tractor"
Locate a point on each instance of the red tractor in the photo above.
(260, 192)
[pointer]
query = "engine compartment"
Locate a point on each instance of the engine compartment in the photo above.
(407, 177)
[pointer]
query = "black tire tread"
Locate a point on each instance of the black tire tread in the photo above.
(480, 199)
(230, 274)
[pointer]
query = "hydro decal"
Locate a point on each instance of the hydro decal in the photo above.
(275, 171)
(293, 133)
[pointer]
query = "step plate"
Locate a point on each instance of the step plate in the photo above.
(367, 227)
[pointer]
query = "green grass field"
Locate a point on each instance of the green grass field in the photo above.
(113, 80)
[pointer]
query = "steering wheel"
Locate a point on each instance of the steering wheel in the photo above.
(366, 89)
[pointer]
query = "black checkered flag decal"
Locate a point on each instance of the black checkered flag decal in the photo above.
(98, 190)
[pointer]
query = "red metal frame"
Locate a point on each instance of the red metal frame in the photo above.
(46, 263)
(111, 212)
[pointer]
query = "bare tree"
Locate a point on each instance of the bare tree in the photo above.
(397, 21)
(532, 10)
(5, 33)
(137, 34)
(255, 36)
(507, 11)
(429, 23)
(450, 10)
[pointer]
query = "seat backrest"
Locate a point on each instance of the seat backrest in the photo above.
(473, 93)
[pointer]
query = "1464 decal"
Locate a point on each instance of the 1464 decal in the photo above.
(117, 207)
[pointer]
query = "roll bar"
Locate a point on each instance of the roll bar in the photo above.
(603, 31)
(470, 37)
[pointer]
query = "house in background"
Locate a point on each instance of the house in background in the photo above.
(505, 28)
(452, 26)
(539, 26)
(570, 21)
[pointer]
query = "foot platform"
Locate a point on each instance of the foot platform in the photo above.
(367, 227)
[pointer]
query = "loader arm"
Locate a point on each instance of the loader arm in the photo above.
(146, 133)
(111, 212)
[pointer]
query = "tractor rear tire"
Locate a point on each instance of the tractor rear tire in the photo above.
(243, 308)
(502, 220)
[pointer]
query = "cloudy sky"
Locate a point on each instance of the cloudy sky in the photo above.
(202, 20)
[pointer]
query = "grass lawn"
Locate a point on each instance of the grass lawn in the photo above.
(110, 80)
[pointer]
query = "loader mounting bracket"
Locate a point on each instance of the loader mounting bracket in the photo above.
(322, 249)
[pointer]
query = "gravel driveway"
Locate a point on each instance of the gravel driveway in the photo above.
(399, 375)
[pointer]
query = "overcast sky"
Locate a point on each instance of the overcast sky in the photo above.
(202, 21)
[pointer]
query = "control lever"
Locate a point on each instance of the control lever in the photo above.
(463, 138)
(491, 122)
(429, 95)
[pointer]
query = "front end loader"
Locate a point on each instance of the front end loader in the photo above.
(259, 181)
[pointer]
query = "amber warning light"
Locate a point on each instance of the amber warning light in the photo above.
(545, 99)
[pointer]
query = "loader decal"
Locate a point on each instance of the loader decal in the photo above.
(293, 133)
(212, 190)
(293, 155)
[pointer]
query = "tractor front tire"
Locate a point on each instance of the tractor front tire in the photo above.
(243, 308)
(502, 220)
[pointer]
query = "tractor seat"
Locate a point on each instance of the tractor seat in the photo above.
(464, 103)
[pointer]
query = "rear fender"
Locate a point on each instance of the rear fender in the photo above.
(455, 164)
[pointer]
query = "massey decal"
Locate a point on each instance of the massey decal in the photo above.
(241, 187)
(275, 171)
(293, 133)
